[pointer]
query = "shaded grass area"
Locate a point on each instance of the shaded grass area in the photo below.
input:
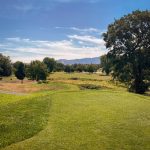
(94, 120)
(22, 119)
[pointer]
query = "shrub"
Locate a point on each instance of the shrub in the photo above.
(74, 78)
(89, 86)
(44, 81)
(141, 89)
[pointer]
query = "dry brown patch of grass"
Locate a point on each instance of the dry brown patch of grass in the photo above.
(28, 86)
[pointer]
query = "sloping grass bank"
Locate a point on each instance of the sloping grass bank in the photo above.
(22, 119)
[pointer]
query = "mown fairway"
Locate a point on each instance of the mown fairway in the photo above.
(65, 117)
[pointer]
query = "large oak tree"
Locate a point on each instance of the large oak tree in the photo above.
(128, 42)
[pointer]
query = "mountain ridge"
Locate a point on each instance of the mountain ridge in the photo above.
(94, 60)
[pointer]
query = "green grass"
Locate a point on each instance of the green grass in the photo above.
(79, 76)
(73, 119)
(86, 78)
(22, 119)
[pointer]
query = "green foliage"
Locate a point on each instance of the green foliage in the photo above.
(19, 70)
(69, 69)
(91, 68)
(85, 67)
(5, 66)
(79, 67)
(59, 67)
(43, 81)
(50, 63)
(135, 88)
(36, 70)
(105, 64)
(128, 42)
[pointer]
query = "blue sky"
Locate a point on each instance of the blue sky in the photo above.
(33, 29)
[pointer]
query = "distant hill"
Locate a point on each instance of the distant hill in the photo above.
(95, 60)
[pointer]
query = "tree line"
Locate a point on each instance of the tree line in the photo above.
(39, 70)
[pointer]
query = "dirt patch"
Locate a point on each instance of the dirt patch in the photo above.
(29, 86)
(17, 87)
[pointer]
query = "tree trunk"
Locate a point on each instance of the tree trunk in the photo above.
(140, 86)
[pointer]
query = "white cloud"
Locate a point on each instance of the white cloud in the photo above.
(75, 46)
(90, 30)
(17, 39)
(27, 50)
(83, 30)
(88, 39)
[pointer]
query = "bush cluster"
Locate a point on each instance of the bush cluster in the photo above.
(89, 87)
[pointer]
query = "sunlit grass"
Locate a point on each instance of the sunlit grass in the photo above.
(22, 119)
(61, 116)
(95, 120)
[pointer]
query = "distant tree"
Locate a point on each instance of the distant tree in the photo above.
(91, 68)
(105, 64)
(85, 68)
(80, 68)
(37, 70)
(59, 67)
(74, 66)
(128, 42)
(68, 69)
(19, 70)
(5, 66)
(50, 63)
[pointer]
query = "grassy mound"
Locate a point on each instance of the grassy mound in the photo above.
(22, 119)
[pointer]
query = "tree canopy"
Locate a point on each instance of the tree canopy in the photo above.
(50, 63)
(128, 42)
(37, 70)
(5, 66)
(105, 64)
(19, 70)
(68, 69)
(59, 67)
